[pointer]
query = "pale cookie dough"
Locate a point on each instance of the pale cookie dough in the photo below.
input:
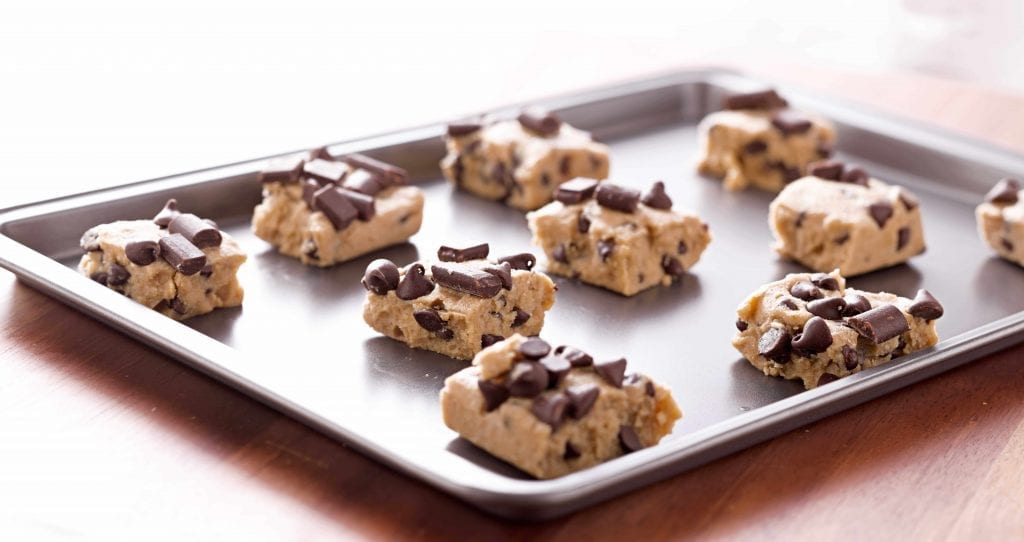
(324, 212)
(811, 327)
(1001, 220)
(521, 162)
(760, 143)
(550, 411)
(183, 268)
(609, 236)
(459, 305)
(854, 226)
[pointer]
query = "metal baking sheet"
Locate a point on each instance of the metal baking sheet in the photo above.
(300, 345)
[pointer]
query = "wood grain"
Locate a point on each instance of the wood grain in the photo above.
(103, 437)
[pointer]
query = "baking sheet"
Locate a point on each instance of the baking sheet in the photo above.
(299, 342)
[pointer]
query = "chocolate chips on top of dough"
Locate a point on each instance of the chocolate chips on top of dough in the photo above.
(450, 254)
(539, 121)
(835, 170)
(1005, 192)
(576, 190)
(762, 99)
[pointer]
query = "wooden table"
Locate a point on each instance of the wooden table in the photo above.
(102, 436)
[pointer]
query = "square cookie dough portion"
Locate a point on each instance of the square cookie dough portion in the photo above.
(460, 304)
(521, 162)
(811, 327)
(325, 212)
(552, 411)
(1001, 220)
(846, 221)
(177, 263)
(757, 141)
(611, 236)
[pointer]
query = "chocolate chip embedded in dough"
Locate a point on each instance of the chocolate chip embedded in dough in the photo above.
(1007, 244)
(581, 399)
(527, 379)
(925, 306)
(880, 212)
(762, 99)
(605, 247)
(851, 358)
(1005, 192)
(583, 223)
(550, 408)
(387, 174)
(656, 197)
(487, 340)
(617, 197)
(199, 233)
(142, 251)
(461, 129)
(206, 271)
(164, 217)
(381, 276)
(825, 281)
(429, 319)
(681, 248)
(117, 275)
(178, 306)
(910, 201)
(789, 304)
(806, 290)
(855, 175)
(612, 371)
(576, 357)
(414, 284)
(842, 239)
(902, 237)
(100, 277)
(576, 190)
(494, 394)
(829, 308)
(814, 338)
(791, 122)
(540, 121)
(181, 254)
(557, 368)
(741, 325)
(672, 267)
(335, 206)
(466, 279)
(534, 348)
(629, 440)
(756, 146)
(826, 378)
(774, 345)
(475, 252)
(571, 452)
(880, 323)
(830, 170)
(503, 272)
(855, 304)
(565, 165)
(800, 217)
(521, 317)
(559, 254)
(524, 261)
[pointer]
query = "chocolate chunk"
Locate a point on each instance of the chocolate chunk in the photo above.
(825, 281)
(283, 170)
(880, 212)
(755, 147)
(557, 368)
(318, 153)
(576, 357)
(851, 358)
(550, 408)
(206, 271)
(523, 262)
(559, 254)
(1005, 192)
(789, 173)
(503, 272)
(826, 378)
(656, 197)
(540, 121)
(527, 379)
(381, 276)
(855, 304)
(335, 206)
(583, 223)
(364, 182)
(789, 304)
(1007, 244)
(791, 122)
(814, 338)
(880, 323)
(830, 308)
(181, 254)
(534, 348)
(612, 371)
(387, 174)
(521, 317)
(117, 275)
(763, 99)
(100, 277)
(824, 150)
(806, 291)
(800, 217)
(617, 197)
(565, 165)
(629, 440)
(672, 267)
(466, 279)
(910, 202)
(460, 129)
(414, 284)
(363, 203)
(487, 340)
(925, 306)
(178, 306)
(429, 319)
(605, 247)
(142, 251)
(842, 239)
(309, 189)
(570, 451)
(855, 175)
(774, 345)
(826, 169)
(902, 236)
(681, 247)
(476, 252)
(326, 171)
(494, 394)
(741, 325)
(199, 233)
(576, 190)
(164, 217)
(581, 399)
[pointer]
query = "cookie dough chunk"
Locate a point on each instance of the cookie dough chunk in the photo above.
(839, 218)
(460, 304)
(811, 327)
(521, 162)
(758, 141)
(1001, 220)
(324, 211)
(551, 411)
(611, 236)
(177, 263)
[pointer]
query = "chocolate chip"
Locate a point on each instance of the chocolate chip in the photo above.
(842, 239)
(791, 122)
(910, 202)
(309, 189)
(534, 348)
(142, 251)
(283, 170)
(629, 440)
(902, 237)
(476, 252)
(559, 254)
(521, 317)
(327, 171)
(824, 150)
(583, 223)
(494, 394)
(381, 276)
(429, 319)
(199, 233)
(503, 272)
(617, 197)
(460, 129)
(570, 451)
(763, 99)
(855, 304)
(855, 175)
(1007, 244)
(557, 368)
(1006, 191)
(540, 121)
(649, 388)
(581, 399)
(826, 169)
(164, 217)
(527, 379)
(789, 173)
(656, 197)
(524, 261)
(100, 277)
(576, 357)
(825, 281)
(880, 323)
(466, 279)
(741, 325)
(335, 206)
(564, 165)
(364, 182)
(181, 254)
(925, 306)
(826, 378)
(681, 247)
(206, 271)
(550, 408)
(774, 345)
(756, 146)
(363, 203)
(414, 284)
(612, 371)
(387, 174)
(830, 308)
(117, 275)
(576, 190)
(458, 170)
(806, 291)
(605, 247)
(880, 212)
(789, 304)
(851, 358)
(178, 306)
(672, 267)
(814, 338)
(487, 340)
(800, 217)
